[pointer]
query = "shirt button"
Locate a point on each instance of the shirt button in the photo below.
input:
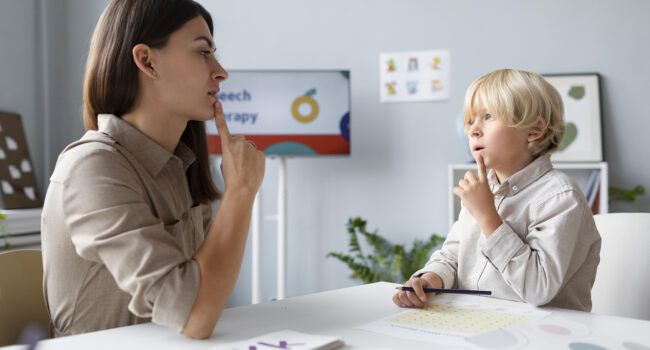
(185, 216)
(514, 188)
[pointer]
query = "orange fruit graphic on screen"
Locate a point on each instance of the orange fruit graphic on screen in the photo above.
(311, 102)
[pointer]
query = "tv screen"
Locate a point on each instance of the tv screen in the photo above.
(297, 113)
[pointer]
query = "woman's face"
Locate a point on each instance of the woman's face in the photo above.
(188, 73)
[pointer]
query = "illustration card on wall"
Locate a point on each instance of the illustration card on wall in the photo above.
(582, 141)
(410, 76)
(17, 180)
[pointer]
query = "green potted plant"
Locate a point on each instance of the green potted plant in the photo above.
(389, 262)
(623, 195)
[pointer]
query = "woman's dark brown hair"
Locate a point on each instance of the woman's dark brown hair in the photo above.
(111, 81)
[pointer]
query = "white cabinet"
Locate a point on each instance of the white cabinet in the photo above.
(24, 227)
(586, 175)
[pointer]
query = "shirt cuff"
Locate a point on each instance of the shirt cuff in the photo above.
(448, 277)
(176, 297)
(502, 246)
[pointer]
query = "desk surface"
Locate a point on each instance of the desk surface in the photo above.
(335, 313)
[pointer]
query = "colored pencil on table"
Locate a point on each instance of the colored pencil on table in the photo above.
(451, 291)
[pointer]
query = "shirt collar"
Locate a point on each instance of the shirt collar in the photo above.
(524, 177)
(150, 154)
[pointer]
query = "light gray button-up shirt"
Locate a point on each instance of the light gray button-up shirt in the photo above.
(545, 253)
(119, 230)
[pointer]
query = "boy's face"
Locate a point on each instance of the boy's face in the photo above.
(503, 148)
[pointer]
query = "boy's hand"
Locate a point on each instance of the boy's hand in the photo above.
(419, 297)
(479, 200)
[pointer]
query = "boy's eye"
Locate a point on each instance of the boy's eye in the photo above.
(205, 53)
(488, 116)
(471, 122)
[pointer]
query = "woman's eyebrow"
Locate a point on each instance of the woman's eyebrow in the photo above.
(207, 41)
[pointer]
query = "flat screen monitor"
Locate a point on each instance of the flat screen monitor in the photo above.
(293, 113)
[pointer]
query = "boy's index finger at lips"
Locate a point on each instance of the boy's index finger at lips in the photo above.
(481, 167)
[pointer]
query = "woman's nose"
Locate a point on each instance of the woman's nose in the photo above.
(219, 72)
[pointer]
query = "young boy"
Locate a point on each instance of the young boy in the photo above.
(525, 231)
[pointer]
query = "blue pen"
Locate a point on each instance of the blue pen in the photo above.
(450, 291)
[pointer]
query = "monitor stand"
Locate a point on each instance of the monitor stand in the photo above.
(256, 233)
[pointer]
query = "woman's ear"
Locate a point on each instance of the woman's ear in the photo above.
(142, 58)
(537, 132)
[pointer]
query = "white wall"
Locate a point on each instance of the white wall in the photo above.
(69, 26)
(21, 74)
(396, 175)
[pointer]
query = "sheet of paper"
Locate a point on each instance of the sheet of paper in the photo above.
(553, 332)
(285, 339)
(450, 322)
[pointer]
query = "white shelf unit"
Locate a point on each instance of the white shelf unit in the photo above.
(24, 226)
(580, 172)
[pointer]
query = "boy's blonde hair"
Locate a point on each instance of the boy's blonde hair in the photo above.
(517, 98)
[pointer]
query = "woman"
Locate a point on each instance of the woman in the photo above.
(127, 228)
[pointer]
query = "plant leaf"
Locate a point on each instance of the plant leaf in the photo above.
(359, 269)
(388, 262)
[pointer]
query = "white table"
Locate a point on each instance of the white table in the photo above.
(335, 313)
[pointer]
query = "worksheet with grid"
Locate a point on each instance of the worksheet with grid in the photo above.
(449, 322)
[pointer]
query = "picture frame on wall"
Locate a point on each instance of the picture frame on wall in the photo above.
(582, 141)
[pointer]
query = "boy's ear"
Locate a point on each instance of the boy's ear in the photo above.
(537, 132)
(142, 58)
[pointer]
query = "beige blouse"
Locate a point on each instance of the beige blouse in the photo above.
(119, 230)
(545, 253)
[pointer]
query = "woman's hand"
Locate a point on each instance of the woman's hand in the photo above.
(419, 297)
(219, 256)
(242, 164)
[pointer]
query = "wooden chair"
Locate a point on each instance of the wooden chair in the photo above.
(21, 294)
